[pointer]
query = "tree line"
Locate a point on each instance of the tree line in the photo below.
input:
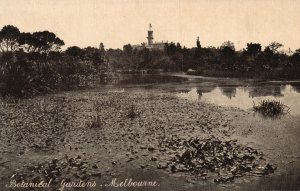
(11, 40)
(225, 61)
(34, 63)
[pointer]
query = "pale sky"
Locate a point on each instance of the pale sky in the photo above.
(118, 22)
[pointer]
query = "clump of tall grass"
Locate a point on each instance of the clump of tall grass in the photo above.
(271, 108)
(132, 113)
(95, 121)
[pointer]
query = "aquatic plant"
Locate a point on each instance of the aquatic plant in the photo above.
(132, 113)
(271, 108)
(223, 160)
(95, 121)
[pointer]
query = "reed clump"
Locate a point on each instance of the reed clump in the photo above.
(271, 108)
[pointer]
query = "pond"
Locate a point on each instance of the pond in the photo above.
(233, 92)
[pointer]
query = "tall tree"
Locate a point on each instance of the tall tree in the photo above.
(227, 44)
(74, 51)
(274, 46)
(253, 49)
(101, 47)
(227, 49)
(27, 42)
(178, 46)
(295, 58)
(127, 49)
(9, 38)
(171, 48)
(45, 42)
(93, 54)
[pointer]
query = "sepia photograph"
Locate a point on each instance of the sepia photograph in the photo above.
(149, 95)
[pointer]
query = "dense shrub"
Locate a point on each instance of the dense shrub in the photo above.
(22, 77)
(25, 79)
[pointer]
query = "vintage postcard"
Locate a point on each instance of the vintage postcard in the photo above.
(149, 95)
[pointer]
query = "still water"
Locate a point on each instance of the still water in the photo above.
(233, 92)
(242, 97)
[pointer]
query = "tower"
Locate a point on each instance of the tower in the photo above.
(150, 35)
(198, 43)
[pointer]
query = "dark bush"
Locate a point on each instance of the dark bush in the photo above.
(271, 108)
(26, 79)
(23, 77)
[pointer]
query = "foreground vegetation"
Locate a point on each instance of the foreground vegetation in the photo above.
(97, 135)
(271, 108)
(34, 64)
(78, 135)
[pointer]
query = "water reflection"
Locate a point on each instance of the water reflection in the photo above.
(228, 92)
(243, 97)
(192, 95)
(296, 88)
(234, 92)
(275, 91)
